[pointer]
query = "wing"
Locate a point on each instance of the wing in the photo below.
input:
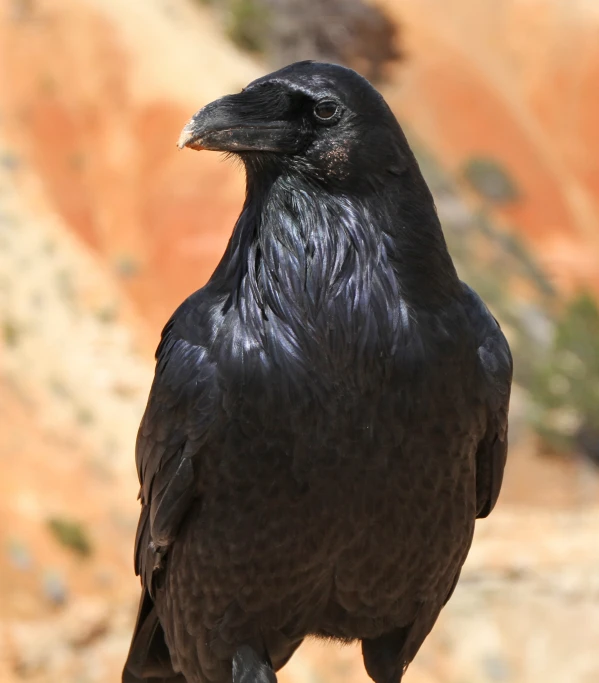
(496, 363)
(175, 426)
(178, 416)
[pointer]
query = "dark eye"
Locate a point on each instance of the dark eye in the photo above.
(325, 110)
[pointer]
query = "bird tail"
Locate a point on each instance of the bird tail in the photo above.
(149, 660)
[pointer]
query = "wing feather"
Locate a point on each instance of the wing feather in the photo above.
(172, 433)
(497, 368)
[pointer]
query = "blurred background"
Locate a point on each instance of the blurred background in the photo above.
(105, 227)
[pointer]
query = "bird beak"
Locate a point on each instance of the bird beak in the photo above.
(241, 123)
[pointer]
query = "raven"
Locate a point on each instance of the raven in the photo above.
(328, 415)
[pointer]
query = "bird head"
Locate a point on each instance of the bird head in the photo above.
(319, 119)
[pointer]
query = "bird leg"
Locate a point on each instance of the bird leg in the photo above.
(248, 667)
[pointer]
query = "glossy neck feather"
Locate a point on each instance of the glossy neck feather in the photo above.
(304, 252)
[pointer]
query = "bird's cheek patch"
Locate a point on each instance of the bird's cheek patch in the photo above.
(336, 160)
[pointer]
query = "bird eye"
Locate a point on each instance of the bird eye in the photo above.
(325, 110)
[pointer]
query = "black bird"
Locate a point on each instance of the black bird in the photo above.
(329, 412)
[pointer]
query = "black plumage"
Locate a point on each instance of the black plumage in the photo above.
(329, 413)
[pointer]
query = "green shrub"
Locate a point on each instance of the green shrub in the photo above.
(127, 266)
(490, 180)
(11, 332)
(356, 33)
(248, 25)
(71, 534)
(565, 385)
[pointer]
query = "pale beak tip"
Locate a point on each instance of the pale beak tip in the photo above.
(186, 135)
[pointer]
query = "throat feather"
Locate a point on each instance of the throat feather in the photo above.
(313, 250)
